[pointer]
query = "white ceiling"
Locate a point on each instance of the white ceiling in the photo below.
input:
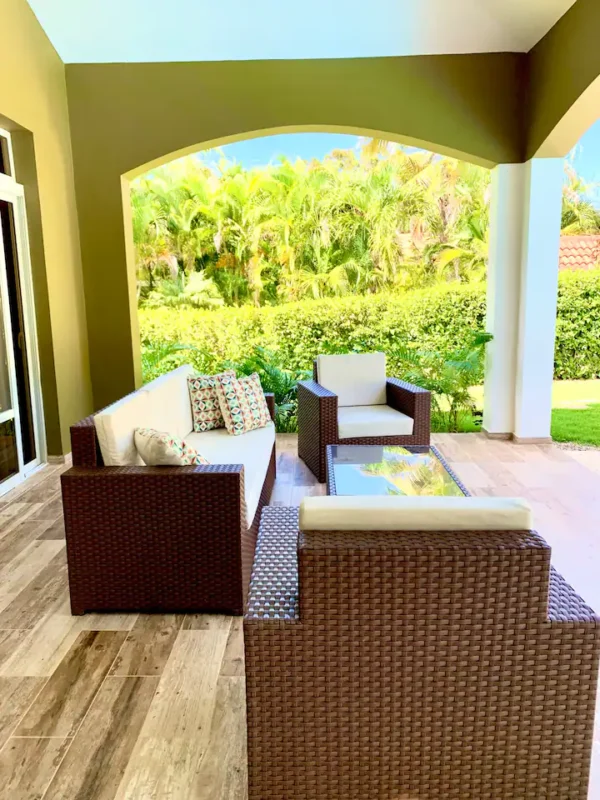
(217, 30)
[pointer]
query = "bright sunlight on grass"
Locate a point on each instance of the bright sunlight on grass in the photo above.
(576, 411)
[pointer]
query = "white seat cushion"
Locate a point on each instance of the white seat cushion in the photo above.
(252, 449)
(170, 402)
(358, 379)
(392, 513)
(357, 421)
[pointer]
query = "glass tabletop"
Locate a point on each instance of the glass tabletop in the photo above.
(389, 470)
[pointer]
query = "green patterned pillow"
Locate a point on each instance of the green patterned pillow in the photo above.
(206, 411)
(242, 403)
(159, 449)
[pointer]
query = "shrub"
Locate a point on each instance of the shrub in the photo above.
(434, 319)
(577, 353)
(439, 319)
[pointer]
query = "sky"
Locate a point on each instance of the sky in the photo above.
(264, 150)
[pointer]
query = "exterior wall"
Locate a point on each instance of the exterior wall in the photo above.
(33, 104)
(124, 116)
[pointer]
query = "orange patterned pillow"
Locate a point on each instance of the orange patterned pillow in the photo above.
(242, 402)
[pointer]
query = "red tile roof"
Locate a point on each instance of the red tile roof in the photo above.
(579, 252)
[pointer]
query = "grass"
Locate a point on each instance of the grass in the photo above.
(575, 411)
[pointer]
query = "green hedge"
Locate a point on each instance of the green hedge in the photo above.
(439, 318)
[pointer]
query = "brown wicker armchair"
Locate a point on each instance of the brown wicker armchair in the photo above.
(157, 538)
(430, 665)
(318, 424)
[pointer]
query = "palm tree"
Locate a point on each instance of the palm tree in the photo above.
(385, 219)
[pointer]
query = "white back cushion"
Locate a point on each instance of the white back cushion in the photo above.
(385, 513)
(358, 379)
(115, 427)
(171, 408)
(163, 404)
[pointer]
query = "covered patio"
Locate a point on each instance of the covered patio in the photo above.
(96, 706)
(86, 701)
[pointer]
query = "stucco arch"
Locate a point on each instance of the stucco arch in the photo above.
(127, 118)
(368, 133)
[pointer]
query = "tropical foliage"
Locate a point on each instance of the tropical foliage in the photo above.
(449, 376)
(351, 223)
(380, 219)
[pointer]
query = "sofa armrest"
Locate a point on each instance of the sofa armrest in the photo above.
(270, 398)
(317, 424)
(152, 498)
(121, 522)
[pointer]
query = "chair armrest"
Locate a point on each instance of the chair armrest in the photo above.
(565, 605)
(273, 594)
(317, 424)
(270, 398)
(411, 400)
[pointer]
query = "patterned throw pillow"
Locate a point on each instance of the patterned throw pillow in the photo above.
(159, 449)
(205, 404)
(243, 403)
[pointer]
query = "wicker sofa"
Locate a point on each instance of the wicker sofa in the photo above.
(385, 663)
(163, 538)
(351, 401)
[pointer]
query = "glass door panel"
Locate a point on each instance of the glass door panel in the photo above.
(11, 451)
(18, 331)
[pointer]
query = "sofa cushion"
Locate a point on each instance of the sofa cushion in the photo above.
(357, 421)
(392, 513)
(206, 410)
(242, 403)
(358, 379)
(162, 449)
(115, 427)
(252, 449)
(170, 401)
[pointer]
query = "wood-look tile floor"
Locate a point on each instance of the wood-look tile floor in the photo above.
(143, 707)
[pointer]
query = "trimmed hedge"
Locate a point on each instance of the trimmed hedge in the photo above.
(441, 318)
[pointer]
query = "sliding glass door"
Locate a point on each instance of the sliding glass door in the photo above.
(21, 432)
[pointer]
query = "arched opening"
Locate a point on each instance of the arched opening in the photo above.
(358, 244)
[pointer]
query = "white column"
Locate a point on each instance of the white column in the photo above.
(521, 303)
(505, 247)
(538, 294)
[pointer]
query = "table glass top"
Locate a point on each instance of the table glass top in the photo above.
(390, 470)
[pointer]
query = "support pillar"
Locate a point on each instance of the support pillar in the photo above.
(522, 290)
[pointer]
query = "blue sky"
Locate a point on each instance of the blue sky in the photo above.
(260, 151)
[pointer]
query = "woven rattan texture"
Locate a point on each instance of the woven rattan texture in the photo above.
(318, 424)
(415, 669)
(157, 538)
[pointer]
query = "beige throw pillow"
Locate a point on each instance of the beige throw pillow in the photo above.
(159, 449)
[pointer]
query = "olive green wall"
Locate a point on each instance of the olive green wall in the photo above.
(127, 115)
(33, 104)
(563, 65)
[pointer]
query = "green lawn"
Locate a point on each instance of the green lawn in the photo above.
(576, 411)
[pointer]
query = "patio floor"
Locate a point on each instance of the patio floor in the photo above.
(138, 706)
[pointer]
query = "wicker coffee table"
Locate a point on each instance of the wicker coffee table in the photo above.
(390, 470)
